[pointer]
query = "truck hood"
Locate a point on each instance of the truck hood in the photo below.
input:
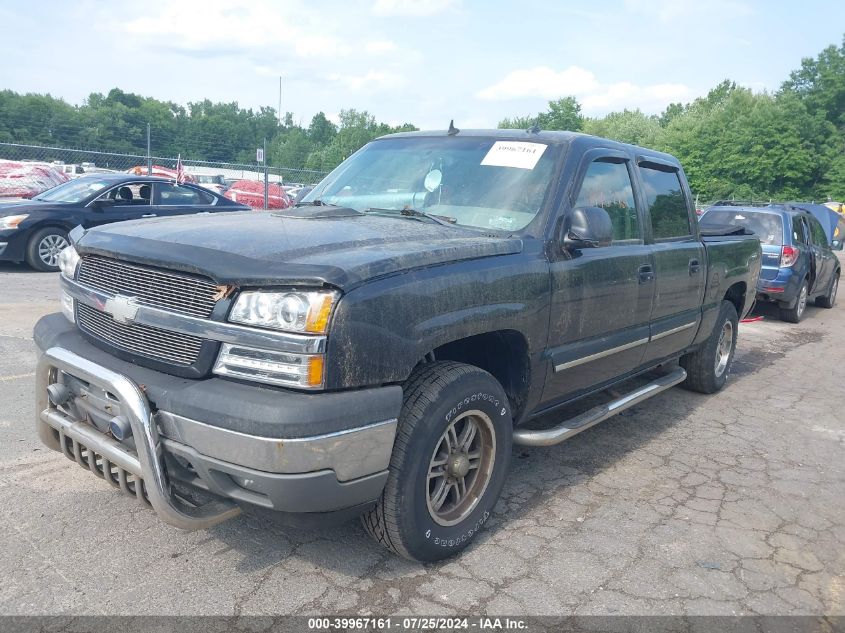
(263, 249)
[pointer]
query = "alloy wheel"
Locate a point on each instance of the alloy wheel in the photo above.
(460, 467)
(50, 247)
(802, 300)
(724, 348)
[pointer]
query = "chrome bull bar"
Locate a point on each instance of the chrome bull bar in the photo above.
(100, 453)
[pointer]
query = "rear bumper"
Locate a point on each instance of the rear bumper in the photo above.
(316, 473)
(783, 289)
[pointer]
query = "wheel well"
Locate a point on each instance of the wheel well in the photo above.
(47, 225)
(503, 353)
(736, 295)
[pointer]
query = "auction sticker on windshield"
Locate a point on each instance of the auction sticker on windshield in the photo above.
(514, 154)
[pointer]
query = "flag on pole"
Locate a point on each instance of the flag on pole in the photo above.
(180, 171)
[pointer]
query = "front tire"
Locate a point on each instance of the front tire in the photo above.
(449, 463)
(708, 367)
(42, 251)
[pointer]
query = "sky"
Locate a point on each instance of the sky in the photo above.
(418, 61)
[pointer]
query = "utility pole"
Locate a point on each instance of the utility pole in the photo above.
(149, 154)
(279, 111)
(266, 179)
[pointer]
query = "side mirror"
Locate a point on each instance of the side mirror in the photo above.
(301, 194)
(587, 227)
(101, 204)
(836, 245)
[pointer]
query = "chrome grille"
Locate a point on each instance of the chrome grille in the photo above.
(174, 292)
(151, 342)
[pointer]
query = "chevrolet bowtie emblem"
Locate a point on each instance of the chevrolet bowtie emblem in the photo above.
(122, 309)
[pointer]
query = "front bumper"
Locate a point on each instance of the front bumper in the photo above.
(13, 245)
(284, 470)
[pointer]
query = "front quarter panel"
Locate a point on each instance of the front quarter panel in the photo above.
(64, 217)
(382, 329)
(18, 239)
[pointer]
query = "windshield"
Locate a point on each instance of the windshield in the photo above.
(74, 190)
(768, 227)
(472, 181)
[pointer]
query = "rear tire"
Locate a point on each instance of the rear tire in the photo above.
(796, 312)
(708, 366)
(449, 462)
(829, 300)
(42, 251)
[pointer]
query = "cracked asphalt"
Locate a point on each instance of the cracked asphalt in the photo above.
(686, 504)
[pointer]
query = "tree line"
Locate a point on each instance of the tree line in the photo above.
(217, 132)
(733, 143)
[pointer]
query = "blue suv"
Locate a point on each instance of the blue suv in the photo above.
(799, 264)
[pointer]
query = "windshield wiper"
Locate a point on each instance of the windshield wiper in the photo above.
(445, 220)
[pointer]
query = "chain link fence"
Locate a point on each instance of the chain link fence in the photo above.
(27, 170)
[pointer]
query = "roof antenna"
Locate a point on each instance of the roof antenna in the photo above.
(534, 129)
(452, 129)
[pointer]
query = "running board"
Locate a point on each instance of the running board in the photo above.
(557, 434)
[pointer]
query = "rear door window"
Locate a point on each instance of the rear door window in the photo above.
(173, 195)
(768, 227)
(666, 202)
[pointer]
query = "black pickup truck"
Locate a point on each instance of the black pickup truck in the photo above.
(378, 350)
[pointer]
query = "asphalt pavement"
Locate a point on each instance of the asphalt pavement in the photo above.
(685, 504)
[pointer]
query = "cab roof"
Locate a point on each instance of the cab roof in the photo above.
(552, 137)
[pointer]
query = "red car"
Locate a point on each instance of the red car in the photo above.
(251, 192)
(164, 172)
(26, 180)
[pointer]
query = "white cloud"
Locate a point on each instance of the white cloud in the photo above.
(541, 81)
(412, 8)
(371, 80)
(380, 46)
(223, 26)
(318, 46)
(627, 95)
(594, 96)
(199, 25)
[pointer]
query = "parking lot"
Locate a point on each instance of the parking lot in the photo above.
(685, 504)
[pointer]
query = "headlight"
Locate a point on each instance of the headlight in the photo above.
(292, 311)
(68, 261)
(12, 221)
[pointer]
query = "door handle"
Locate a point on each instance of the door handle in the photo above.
(694, 266)
(149, 215)
(646, 273)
